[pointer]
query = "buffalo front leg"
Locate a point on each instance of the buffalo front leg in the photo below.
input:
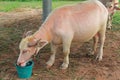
(66, 51)
(52, 57)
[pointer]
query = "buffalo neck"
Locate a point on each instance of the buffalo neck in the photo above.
(44, 31)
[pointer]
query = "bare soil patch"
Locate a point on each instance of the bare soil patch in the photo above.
(82, 66)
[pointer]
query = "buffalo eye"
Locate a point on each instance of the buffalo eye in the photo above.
(24, 51)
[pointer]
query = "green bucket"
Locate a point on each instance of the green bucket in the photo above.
(26, 71)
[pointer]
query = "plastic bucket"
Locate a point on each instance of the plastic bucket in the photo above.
(26, 71)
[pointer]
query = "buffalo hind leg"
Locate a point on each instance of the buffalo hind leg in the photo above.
(102, 39)
(95, 42)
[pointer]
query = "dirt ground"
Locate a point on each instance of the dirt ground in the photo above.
(81, 67)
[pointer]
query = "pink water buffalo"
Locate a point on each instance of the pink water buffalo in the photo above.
(73, 23)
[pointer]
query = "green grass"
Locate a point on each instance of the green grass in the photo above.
(116, 18)
(6, 6)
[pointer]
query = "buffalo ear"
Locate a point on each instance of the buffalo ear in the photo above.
(29, 33)
(33, 43)
(39, 43)
(42, 43)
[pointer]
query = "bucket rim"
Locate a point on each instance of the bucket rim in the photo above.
(32, 63)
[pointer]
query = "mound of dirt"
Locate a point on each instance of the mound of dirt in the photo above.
(18, 16)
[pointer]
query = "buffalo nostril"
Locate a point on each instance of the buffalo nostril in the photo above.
(19, 64)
